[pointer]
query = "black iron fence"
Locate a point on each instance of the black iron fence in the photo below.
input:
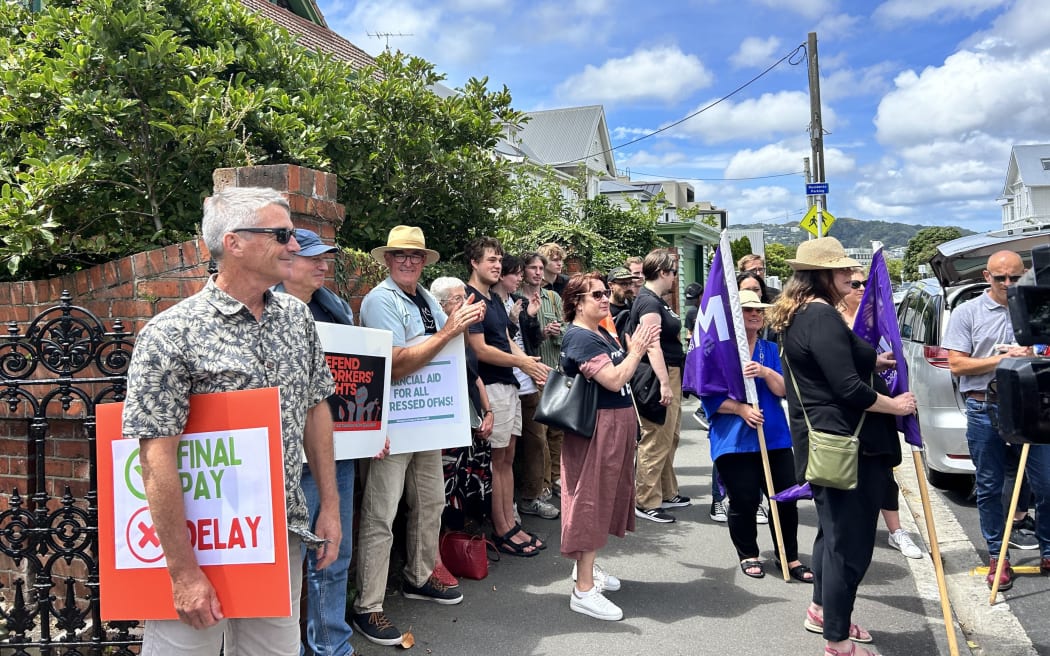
(65, 363)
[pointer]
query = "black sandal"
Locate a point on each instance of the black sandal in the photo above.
(753, 563)
(504, 544)
(534, 539)
(798, 572)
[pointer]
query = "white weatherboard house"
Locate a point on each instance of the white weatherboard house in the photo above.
(1026, 195)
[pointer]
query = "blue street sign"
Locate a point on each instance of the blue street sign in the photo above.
(816, 188)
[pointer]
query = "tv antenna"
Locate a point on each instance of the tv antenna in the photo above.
(386, 36)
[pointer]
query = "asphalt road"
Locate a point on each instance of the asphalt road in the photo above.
(683, 593)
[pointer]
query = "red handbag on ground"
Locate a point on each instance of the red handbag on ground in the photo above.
(465, 554)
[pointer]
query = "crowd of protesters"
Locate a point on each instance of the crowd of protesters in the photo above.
(521, 317)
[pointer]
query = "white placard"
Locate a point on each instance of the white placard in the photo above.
(225, 478)
(429, 407)
(360, 362)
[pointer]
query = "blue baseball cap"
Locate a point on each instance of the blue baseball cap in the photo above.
(310, 244)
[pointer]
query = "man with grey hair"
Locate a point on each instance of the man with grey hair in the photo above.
(234, 334)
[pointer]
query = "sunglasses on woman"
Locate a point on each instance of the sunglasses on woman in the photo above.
(856, 284)
(597, 294)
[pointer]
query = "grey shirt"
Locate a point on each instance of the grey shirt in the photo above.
(975, 327)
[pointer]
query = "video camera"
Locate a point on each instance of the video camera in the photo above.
(1021, 388)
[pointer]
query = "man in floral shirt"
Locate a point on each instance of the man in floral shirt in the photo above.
(235, 334)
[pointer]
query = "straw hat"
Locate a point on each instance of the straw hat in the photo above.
(405, 238)
(823, 253)
(750, 299)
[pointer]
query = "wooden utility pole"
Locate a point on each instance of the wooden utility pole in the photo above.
(809, 178)
(816, 127)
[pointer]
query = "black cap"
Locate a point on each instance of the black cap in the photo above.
(694, 290)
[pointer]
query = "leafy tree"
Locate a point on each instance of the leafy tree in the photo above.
(922, 247)
(536, 210)
(894, 268)
(740, 248)
(114, 113)
(776, 261)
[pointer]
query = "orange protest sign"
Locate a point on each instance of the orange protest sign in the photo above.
(231, 468)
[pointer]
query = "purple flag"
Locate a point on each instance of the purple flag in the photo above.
(794, 493)
(712, 365)
(876, 323)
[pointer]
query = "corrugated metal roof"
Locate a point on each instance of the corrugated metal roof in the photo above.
(616, 187)
(563, 136)
(311, 35)
(1030, 164)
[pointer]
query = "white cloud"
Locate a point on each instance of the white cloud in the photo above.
(784, 157)
(378, 16)
(838, 27)
(755, 52)
(754, 119)
(972, 92)
(806, 8)
(907, 11)
(1015, 31)
(850, 82)
(664, 73)
(657, 163)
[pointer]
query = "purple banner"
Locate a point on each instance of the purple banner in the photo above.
(712, 365)
(876, 323)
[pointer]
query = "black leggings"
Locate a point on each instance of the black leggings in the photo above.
(744, 479)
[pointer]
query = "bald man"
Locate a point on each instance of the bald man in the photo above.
(979, 336)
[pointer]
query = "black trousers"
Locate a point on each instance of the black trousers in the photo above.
(847, 521)
(745, 482)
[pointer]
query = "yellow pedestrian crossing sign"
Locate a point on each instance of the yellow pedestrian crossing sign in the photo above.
(809, 222)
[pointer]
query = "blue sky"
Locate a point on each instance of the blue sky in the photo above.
(922, 99)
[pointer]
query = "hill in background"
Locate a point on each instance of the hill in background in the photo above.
(853, 233)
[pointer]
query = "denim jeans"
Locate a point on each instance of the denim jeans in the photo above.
(327, 632)
(993, 459)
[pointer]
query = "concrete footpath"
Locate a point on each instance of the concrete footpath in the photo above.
(683, 593)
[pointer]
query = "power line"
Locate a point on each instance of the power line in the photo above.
(757, 177)
(801, 47)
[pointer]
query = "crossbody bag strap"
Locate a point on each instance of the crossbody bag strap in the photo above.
(805, 415)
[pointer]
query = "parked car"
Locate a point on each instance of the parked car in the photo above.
(923, 317)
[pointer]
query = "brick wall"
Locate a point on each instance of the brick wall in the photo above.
(129, 291)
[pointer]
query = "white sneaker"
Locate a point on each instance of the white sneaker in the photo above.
(594, 603)
(900, 539)
(517, 516)
(760, 515)
(602, 579)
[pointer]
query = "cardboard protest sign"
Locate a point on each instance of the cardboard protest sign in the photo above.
(360, 362)
(429, 407)
(232, 473)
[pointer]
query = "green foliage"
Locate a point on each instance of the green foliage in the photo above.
(536, 210)
(114, 113)
(923, 246)
(853, 233)
(894, 268)
(776, 261)
(740, 248)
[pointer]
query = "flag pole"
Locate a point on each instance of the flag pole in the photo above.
(772, 502)
(935, 551)
(1008, 524)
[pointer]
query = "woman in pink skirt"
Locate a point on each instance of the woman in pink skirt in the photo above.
(597, 471)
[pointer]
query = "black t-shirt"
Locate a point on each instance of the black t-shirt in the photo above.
(429, 325)
(494, 327)
(670, 325)
(578, 345)
(833, 367)
(558, 286)
(690, 317)
(615, 309)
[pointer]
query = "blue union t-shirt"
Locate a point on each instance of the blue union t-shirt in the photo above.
(580, 345)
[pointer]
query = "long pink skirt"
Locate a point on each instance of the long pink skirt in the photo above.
(597, 483)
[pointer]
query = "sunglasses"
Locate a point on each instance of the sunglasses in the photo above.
(597, 294)
(754, 309)
(856, 284)
(1002, 279)
(401, 258)
(282, 235)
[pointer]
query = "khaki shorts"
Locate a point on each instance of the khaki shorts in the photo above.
(506, 413)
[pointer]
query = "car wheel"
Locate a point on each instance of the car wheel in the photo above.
(943, 481)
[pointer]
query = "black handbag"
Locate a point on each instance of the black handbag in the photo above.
(570, 404)
(646, 389)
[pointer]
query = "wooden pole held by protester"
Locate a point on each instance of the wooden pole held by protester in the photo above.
(935, 552)
(1000, 565)
(772, 502)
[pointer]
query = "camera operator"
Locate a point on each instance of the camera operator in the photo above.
(980, 335)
